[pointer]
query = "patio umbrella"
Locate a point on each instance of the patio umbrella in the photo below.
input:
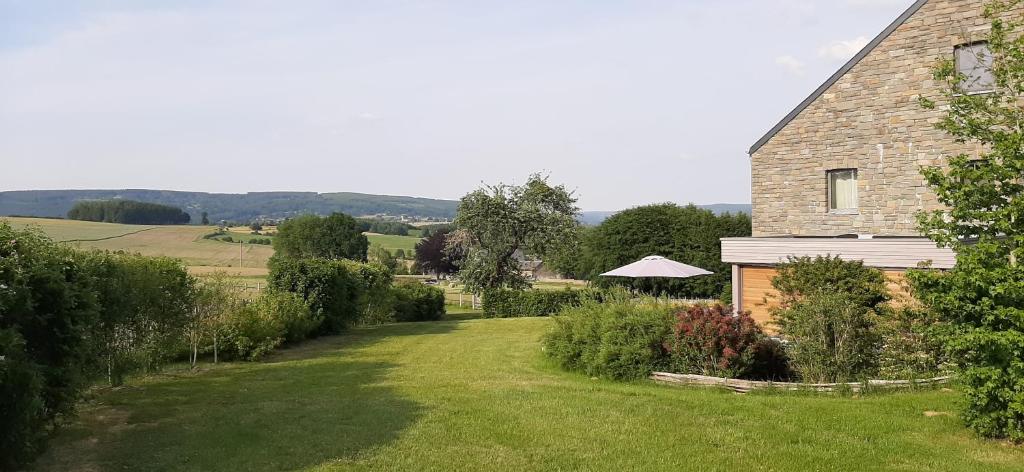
(657, 266)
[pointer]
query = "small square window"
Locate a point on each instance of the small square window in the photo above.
(842, 190)
(974, 63)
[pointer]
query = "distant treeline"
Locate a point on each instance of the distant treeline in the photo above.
(128, 212)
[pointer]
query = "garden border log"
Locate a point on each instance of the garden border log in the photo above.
(744, 386)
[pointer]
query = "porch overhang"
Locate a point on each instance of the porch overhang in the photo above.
(881, 252)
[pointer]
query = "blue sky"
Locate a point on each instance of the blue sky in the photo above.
(626, 102)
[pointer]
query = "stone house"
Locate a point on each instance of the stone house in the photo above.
(840, 175)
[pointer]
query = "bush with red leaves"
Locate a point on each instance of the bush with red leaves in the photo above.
(711, 340)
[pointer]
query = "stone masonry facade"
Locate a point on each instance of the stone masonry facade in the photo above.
(869, 120)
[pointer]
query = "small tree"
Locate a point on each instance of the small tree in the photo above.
(215, 297)
(982, 297)
(497, 222)
(206, 219)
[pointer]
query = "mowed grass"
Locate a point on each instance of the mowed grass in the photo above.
(479, 395)
(393, 242)
(184, 242)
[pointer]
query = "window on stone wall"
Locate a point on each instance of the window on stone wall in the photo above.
(842, 190)
(974, 62)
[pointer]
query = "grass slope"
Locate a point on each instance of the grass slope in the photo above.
(478, 395)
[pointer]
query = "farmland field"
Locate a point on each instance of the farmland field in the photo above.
(479, 395)
(182, 242)
(71, 230)
(392, 242)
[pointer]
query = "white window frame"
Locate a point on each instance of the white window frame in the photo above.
(956, 66)
(856, 196)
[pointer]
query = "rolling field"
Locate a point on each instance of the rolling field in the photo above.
(479, 395)
(185, 242)
(182, 242)
(70, 230)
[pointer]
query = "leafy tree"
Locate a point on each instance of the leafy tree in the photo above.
(255, 226)
(497, 222)
(382, 256)
(432, 256)
(686, 234)
(215, 297)
(206, 219)
(982, 297)
(337, 236)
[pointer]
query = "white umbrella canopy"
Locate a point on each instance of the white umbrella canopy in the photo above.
(657, 266)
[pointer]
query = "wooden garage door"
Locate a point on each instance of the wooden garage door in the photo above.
(759, 297)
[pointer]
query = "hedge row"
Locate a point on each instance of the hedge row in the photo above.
(519, 303)
(68, 318)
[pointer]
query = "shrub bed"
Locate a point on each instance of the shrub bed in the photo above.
(710, 340)
(617, 339)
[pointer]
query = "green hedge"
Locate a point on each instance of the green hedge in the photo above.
(68, 318)
(519, 303)
(418, 302)
(338, 291)
(616, 339)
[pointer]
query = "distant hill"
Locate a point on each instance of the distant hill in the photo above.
(248, 206)
(594, 218)
(233, 207)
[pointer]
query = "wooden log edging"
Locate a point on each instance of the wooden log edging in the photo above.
(744, 386)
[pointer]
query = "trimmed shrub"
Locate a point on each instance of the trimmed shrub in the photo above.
(617, 339)
(418, 302)
(829, 312)
(145, 304)
(253, 330)
(299, 322)
(710, 340)
(506, 303)
(832, 338)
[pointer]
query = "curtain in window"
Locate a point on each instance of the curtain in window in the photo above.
(844, 189)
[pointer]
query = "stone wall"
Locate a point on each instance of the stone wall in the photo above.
(869, 120)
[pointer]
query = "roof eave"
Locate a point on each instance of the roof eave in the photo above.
(839, 74)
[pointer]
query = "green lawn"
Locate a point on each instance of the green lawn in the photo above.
(478, 395)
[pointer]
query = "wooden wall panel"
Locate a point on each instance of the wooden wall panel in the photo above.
(759, 297)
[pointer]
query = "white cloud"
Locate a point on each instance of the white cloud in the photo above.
(843, 49)
(791, 64)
